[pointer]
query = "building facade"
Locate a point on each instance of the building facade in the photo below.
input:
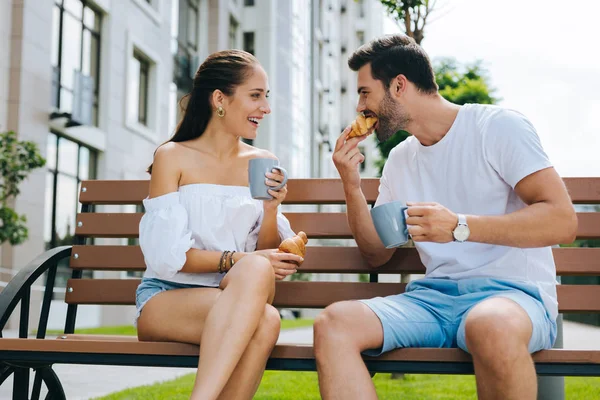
(340, 27)
(95, 84)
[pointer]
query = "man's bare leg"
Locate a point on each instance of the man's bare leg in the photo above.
(497, 333)
(341, 332)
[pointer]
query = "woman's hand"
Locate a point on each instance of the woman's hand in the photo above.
(283, 264)
(273, 179)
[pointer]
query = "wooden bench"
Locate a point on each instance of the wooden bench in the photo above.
(18, 355)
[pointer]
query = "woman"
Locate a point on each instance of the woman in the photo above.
(210, 249)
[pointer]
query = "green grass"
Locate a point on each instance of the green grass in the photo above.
(277, 385)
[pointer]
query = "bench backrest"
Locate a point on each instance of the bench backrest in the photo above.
(319, 259)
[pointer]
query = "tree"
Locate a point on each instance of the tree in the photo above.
(17, 160)
(458, 84)
(411, 15)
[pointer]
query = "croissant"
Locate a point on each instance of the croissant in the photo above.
(295, 245)
(361, 125)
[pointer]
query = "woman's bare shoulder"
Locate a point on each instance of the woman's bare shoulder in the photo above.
(166, 169)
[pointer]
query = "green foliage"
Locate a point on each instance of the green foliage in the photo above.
(301, 276)
(387, 146)
(17, 160)
(462, 85)
(398, 9)
(411, 15)
(457, 84)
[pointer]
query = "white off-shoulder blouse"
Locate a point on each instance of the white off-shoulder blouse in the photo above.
(202, 216)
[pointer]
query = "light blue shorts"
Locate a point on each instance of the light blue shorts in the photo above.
(432, 312)
(150, 287)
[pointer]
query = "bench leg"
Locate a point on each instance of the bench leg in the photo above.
(55, 389)
(21, 384)
(5, 372)
(553, 387)
(37, 386)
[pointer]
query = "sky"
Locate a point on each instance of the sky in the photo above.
(543, 59)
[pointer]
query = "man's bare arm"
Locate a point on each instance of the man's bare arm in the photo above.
(346, 158)
(548, 219)
(363, 229)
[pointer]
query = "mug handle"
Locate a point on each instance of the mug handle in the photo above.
(285, 178)
(405, 216)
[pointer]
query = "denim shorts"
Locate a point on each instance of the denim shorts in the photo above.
(432, 312)
(150, 287)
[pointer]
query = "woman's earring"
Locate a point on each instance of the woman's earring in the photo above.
(220, 112)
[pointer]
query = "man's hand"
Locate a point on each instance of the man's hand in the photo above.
(346, 158)
(430, 222)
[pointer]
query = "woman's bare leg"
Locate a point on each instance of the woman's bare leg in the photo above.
(231, 323)
(224, 321)
(248, 373)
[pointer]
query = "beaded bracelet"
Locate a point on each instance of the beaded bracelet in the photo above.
(231, 261)
(221, 261)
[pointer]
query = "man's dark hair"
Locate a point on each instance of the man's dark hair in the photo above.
(392, 55)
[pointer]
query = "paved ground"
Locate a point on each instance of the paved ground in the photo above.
(88, 381)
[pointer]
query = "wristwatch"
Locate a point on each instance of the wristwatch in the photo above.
(461, 232)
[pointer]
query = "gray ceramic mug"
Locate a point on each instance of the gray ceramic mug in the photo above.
(390, 223)
(257, 169)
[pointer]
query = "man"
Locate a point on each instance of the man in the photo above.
(484, 205)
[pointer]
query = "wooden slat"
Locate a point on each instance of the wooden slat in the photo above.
(107, 258)
(326, 191)
(321, 225)
(575, 261)
(571, 298)
(300, 191)
(316, 225)
(131, 346)
(113, 191)
(319, 259)
(589, 225)
(584, 190)
(108, 225)
(578, 298)
(126, 225)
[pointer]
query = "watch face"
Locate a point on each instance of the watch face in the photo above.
(461, 233)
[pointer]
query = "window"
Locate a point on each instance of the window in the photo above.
(360, 36)
(75, 54)
(249, 42)
(68, 164)
(361, 8)
(138, 88)
(192, 26)
(248, 3)
(233, 28)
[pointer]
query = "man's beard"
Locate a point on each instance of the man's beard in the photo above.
(391, 118)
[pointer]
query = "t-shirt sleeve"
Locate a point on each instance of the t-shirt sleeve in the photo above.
(513, 148)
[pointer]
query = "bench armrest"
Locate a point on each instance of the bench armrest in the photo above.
(19, 286)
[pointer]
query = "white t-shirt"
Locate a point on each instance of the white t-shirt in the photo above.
(474, 170)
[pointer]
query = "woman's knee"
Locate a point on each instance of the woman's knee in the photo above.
(253, 269)
(269, 326)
